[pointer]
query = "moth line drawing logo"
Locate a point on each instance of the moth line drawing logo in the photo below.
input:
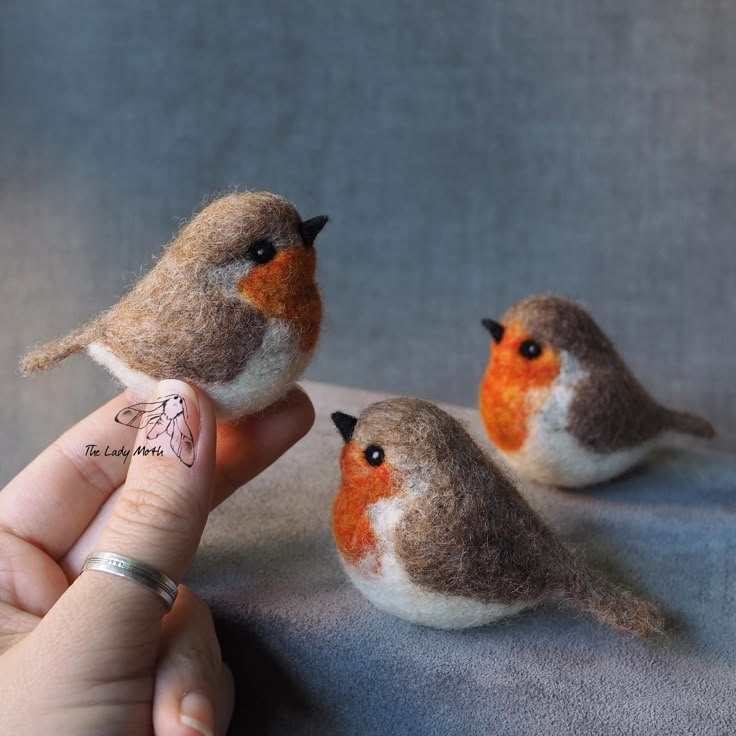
(166, 415)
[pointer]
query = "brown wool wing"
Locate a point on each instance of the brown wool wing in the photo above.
(475, 536)
(612, 411)
(173, 327)
(485, 543)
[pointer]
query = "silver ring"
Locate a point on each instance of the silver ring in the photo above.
(126, 567)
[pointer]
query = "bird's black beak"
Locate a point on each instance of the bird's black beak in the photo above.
(309, 229)
(345, 425)
(495, 328)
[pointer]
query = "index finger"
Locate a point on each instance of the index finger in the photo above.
(248, 447)
(160, 513)
(244, 449)
(52, 500)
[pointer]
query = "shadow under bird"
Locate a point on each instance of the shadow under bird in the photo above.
(231, 306)
(430, 529)
(559, 402)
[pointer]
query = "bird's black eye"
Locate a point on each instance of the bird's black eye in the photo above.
(374, 455)
(262, 252)
(530, 349)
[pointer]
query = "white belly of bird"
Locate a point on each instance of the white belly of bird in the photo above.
(271, 371)
(553, 456)
(385, 583)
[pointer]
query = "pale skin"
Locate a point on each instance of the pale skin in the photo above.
(93, 653)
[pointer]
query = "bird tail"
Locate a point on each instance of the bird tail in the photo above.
(618, 608)
(681, 421)
(48, 355)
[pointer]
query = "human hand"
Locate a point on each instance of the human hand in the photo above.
(95, 653)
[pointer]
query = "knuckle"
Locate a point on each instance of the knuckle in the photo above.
(91, 473)
(157, 508)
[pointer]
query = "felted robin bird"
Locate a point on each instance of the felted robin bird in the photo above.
(559, 402)
(431, 530)
(231, 306)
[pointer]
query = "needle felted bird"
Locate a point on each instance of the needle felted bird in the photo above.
(559, 402)
(231, 306)
(429, 529)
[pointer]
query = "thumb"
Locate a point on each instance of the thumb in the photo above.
(104, 632)
(160, 514)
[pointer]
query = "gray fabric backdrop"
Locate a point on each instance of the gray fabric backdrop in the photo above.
(469, 153)
(314, 658)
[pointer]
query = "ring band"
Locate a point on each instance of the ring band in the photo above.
(126, 567)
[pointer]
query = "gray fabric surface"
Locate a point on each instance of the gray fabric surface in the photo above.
(313, 657)
(469, 153)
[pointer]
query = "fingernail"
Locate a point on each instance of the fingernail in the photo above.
(168, 424)
(195, 711)
(171, 388)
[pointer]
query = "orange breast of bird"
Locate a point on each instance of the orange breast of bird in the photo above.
(285, 288)
(362, 486)
(514, 388)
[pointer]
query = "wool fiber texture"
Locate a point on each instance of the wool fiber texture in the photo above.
(203, 311)
(464, 530)
(293, 626)
(576, 398)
